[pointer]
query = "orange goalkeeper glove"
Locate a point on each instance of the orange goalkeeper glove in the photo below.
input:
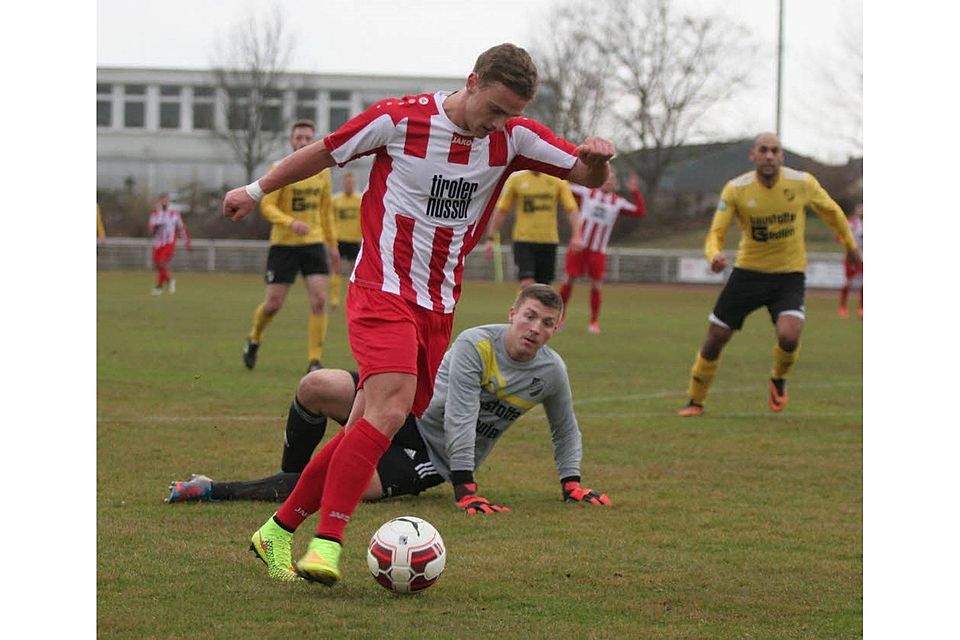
(469, 501)
(573, 492)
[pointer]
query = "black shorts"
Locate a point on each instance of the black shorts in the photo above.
(284, 262)
(405, 469)
(747, 291)
(348, 250)
(536, 260)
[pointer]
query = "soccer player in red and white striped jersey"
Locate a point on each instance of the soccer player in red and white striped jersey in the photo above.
(440, 160)
(599, 209)
(165, 224)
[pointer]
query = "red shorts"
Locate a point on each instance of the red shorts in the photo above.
(163, 254)
(390, 335)
(593, 263)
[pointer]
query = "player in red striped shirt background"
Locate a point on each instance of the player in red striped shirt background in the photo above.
(599, 209)
(440, 161)
(165, 224)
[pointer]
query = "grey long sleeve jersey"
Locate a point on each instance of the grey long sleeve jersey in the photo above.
(480, 391)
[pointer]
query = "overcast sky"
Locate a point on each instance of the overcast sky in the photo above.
(443, 37)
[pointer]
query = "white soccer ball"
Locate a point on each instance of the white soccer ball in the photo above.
(406, 555)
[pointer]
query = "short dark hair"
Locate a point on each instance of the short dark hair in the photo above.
(542, 293)
(510, 65)
(303, 122)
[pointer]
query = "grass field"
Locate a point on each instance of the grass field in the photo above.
(739, 524)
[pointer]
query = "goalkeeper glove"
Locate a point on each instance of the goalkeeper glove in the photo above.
(469, 501)
(573, 492)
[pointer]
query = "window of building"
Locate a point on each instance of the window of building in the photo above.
(306, 105)
(272, 110)
(338, 115)
(134, 106)
(170, 106)
(238, 101)
(104, 113)
(339, 108)
(203, 97)
(104, 104)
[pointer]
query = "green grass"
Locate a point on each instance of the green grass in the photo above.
(739, 524)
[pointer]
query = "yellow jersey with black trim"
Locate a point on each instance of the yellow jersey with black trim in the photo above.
(308, 201)
(346, 215)
(536, 196)
(773, 220)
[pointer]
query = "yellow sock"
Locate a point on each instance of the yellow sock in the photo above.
(260, 322)
(701, 375)
(316, 334)
(336, 282)
(783, 361)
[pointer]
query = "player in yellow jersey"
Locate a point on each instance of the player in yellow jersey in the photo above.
(769, 204)
(535, 196)
(101, 231)
(302, 219)
(346, 215)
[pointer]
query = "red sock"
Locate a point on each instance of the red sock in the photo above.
(162, 276)
(351, 468)
(304, 500)
(844, 292)
(594, 304)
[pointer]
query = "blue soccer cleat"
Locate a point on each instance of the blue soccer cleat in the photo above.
(195, 489)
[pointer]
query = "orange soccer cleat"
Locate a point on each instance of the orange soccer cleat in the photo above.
(691, 410)
(778, 394)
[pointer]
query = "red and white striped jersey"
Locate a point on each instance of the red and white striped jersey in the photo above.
(598, 213)
(432, 190)
(165, 224)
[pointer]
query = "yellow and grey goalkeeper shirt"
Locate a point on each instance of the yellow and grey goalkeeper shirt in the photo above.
(346, 213)
(480, 391)
(307, 201)
(773, 220)
(536, 196)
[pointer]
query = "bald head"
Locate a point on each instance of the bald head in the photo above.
(767, 157)
(768, 138)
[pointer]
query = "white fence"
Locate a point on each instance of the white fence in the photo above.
(825, 270)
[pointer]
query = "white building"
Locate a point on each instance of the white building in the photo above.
(157, 126)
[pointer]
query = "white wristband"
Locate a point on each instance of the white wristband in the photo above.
(254, 191)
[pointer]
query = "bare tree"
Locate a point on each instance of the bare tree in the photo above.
(839, 113)
(669, 70)
(250, 64)
(574, 90)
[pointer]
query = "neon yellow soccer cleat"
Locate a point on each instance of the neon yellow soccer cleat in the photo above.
(321, 563)
(271, 544)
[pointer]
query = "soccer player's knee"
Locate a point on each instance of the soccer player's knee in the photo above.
(392, 419)
(314, 389)
(788, 342)
(717, 338)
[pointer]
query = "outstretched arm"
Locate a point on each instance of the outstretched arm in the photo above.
(300, 164)
(591, 168)
(567, 443)
(495, 222)
(639, 206)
